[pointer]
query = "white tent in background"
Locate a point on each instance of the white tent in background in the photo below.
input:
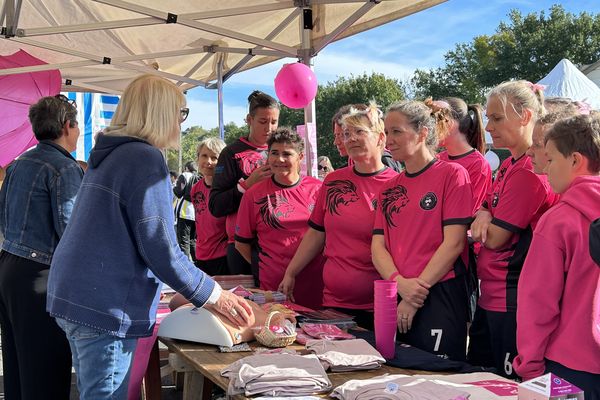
(565, 80)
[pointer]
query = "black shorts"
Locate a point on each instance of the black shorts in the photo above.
(493, 341)
(440, 326)
(216, 266)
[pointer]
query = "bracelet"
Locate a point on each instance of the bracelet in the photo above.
(394, 276)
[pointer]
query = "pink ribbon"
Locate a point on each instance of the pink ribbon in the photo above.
(536, 86)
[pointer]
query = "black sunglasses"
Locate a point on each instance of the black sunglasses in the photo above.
(67, 100)
(183, 113)
(322, 167)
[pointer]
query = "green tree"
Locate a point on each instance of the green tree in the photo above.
(191, 137)
(525, 47)
(333, 95)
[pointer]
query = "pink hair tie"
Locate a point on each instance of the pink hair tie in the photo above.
(441, 104)
(536, 86)
(583, 107)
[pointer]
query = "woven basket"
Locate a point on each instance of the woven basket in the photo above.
(268, 338)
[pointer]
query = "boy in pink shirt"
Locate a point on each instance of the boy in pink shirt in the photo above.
(556, 290)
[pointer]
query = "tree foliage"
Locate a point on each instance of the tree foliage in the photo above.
(191, 137)
(525, 47)
(333, 95)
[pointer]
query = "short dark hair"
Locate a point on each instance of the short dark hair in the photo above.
(48, 116)
(258, 99)
(288, 136)
(174, 174)
(578, 134)
(470, 121)
(191, 166)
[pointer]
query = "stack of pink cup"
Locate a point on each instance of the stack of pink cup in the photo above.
(386, 322)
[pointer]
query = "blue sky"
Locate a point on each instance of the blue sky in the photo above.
(395, 49)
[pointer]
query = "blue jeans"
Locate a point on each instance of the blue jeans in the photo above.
(102, 361)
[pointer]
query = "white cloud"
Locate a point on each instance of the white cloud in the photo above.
(205, 113)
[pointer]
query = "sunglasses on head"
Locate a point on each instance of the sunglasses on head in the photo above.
(323, 167)
(183, 113)
(67, 100)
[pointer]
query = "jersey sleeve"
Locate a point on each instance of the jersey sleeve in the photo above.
(317, 217)
(224, 196)
(245, 226)
(538, 313)
(457, 208)
(378, 224)
(522, 196)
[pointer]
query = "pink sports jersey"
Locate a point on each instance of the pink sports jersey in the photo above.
(479, 171)
(278, 216)
(413, 210)
(345, 211)
(557, 286)
(211, 238)
(517, 200)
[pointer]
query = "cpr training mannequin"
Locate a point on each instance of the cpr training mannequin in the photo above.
(205, 325)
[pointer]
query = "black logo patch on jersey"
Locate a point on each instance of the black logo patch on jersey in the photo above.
(273, 208)
(199, 201)
(340, 192)
(374, 204)
(393, 201)
(495, 199)
(429, 201)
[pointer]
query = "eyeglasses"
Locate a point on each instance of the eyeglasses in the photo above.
(183, 114)
(323, 168)
(67, 100)
(359, 133)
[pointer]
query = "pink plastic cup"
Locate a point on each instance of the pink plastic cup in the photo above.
(385, 338)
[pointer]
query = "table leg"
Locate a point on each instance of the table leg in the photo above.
(152, 381)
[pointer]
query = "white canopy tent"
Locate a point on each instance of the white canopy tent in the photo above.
(100, 45)
(565, 80)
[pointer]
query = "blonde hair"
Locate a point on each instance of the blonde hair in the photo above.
(521, 95)
(366, 117)
(150, 110)
(214, 144)
(320, 159)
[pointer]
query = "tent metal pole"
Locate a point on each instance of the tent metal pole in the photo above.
(220, 62)
(306, 25)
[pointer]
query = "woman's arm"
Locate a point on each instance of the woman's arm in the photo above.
(413, 291)
(245, 249)
(446, 254)
(311, 245)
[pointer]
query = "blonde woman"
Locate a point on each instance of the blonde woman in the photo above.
(324, 167)
(348, 194)
(504, 223)
(104, 292)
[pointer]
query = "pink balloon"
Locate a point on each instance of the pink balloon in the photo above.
(296, 85)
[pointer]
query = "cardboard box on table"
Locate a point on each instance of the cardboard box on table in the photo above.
(549, 387)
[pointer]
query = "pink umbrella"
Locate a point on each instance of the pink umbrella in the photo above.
(17, 93)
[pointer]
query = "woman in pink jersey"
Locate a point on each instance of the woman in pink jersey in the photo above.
(465, 144)
(556, 289)
(420, 232)
(241, 165)
(276, 211)
(211, 237)
(342, 220)
(505, 222)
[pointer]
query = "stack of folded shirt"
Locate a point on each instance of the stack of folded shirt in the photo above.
(277, 375)
(346, 355)
(396, 387)
(263, 297)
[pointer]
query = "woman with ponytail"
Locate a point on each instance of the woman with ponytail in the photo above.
(504, 224)
(420, 232)
(464, 144)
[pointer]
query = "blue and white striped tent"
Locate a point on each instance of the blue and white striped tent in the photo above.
(94, 112)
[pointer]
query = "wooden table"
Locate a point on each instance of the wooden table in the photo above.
(202, 365)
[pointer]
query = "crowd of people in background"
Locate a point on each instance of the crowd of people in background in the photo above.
(505, 264)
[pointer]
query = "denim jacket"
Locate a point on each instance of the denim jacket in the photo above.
(36, 201)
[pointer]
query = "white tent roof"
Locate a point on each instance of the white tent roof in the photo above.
(565, 80)
(100, 45)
